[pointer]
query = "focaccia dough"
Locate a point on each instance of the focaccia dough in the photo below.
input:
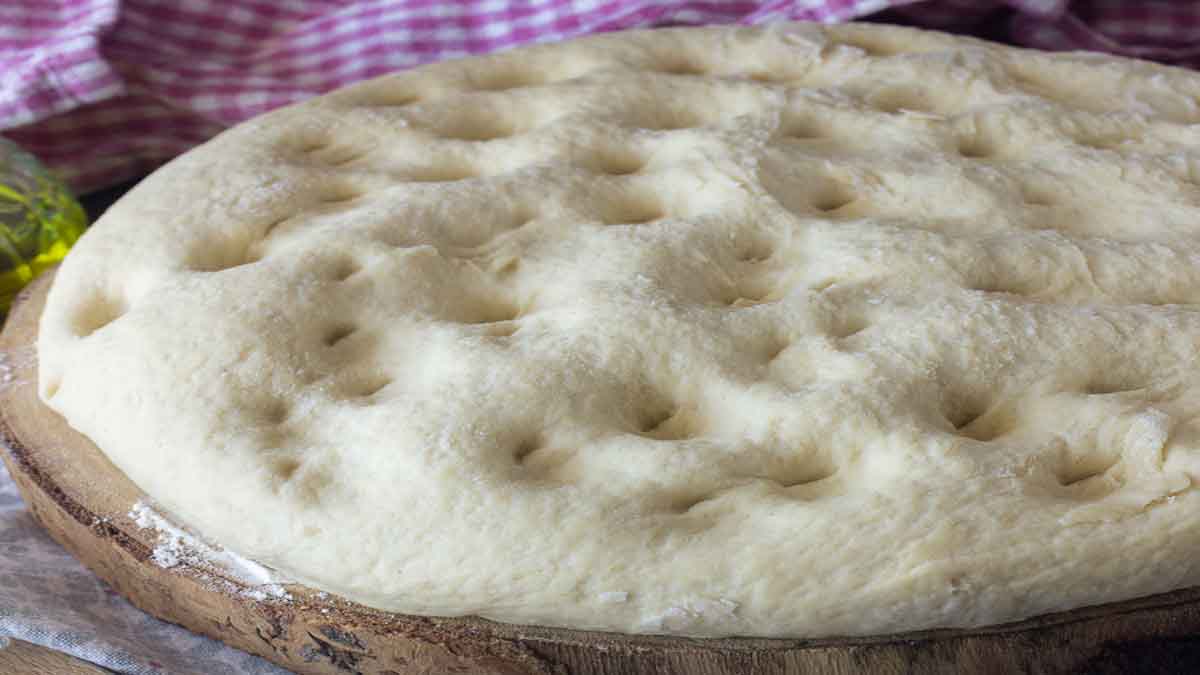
(783, 331)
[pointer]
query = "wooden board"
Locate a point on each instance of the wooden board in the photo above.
(83, 501)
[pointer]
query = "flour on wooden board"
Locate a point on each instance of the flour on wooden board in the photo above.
(175, 546)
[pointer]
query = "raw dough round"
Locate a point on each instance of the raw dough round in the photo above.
(783, 331)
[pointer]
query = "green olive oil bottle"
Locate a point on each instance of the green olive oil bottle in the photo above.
(39, 220)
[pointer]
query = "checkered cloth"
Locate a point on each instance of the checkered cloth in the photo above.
(103, 90)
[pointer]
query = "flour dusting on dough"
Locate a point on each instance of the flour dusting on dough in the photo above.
(695, 613)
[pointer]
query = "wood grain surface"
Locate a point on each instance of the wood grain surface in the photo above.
(83, 501)
(22, 658)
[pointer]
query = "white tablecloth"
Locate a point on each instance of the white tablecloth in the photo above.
(48, 598)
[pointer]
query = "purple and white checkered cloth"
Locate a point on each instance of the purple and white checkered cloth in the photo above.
(107, 89)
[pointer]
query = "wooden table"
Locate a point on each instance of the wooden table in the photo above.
(22, 658)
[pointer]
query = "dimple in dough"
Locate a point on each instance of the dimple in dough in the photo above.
(782, 331)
